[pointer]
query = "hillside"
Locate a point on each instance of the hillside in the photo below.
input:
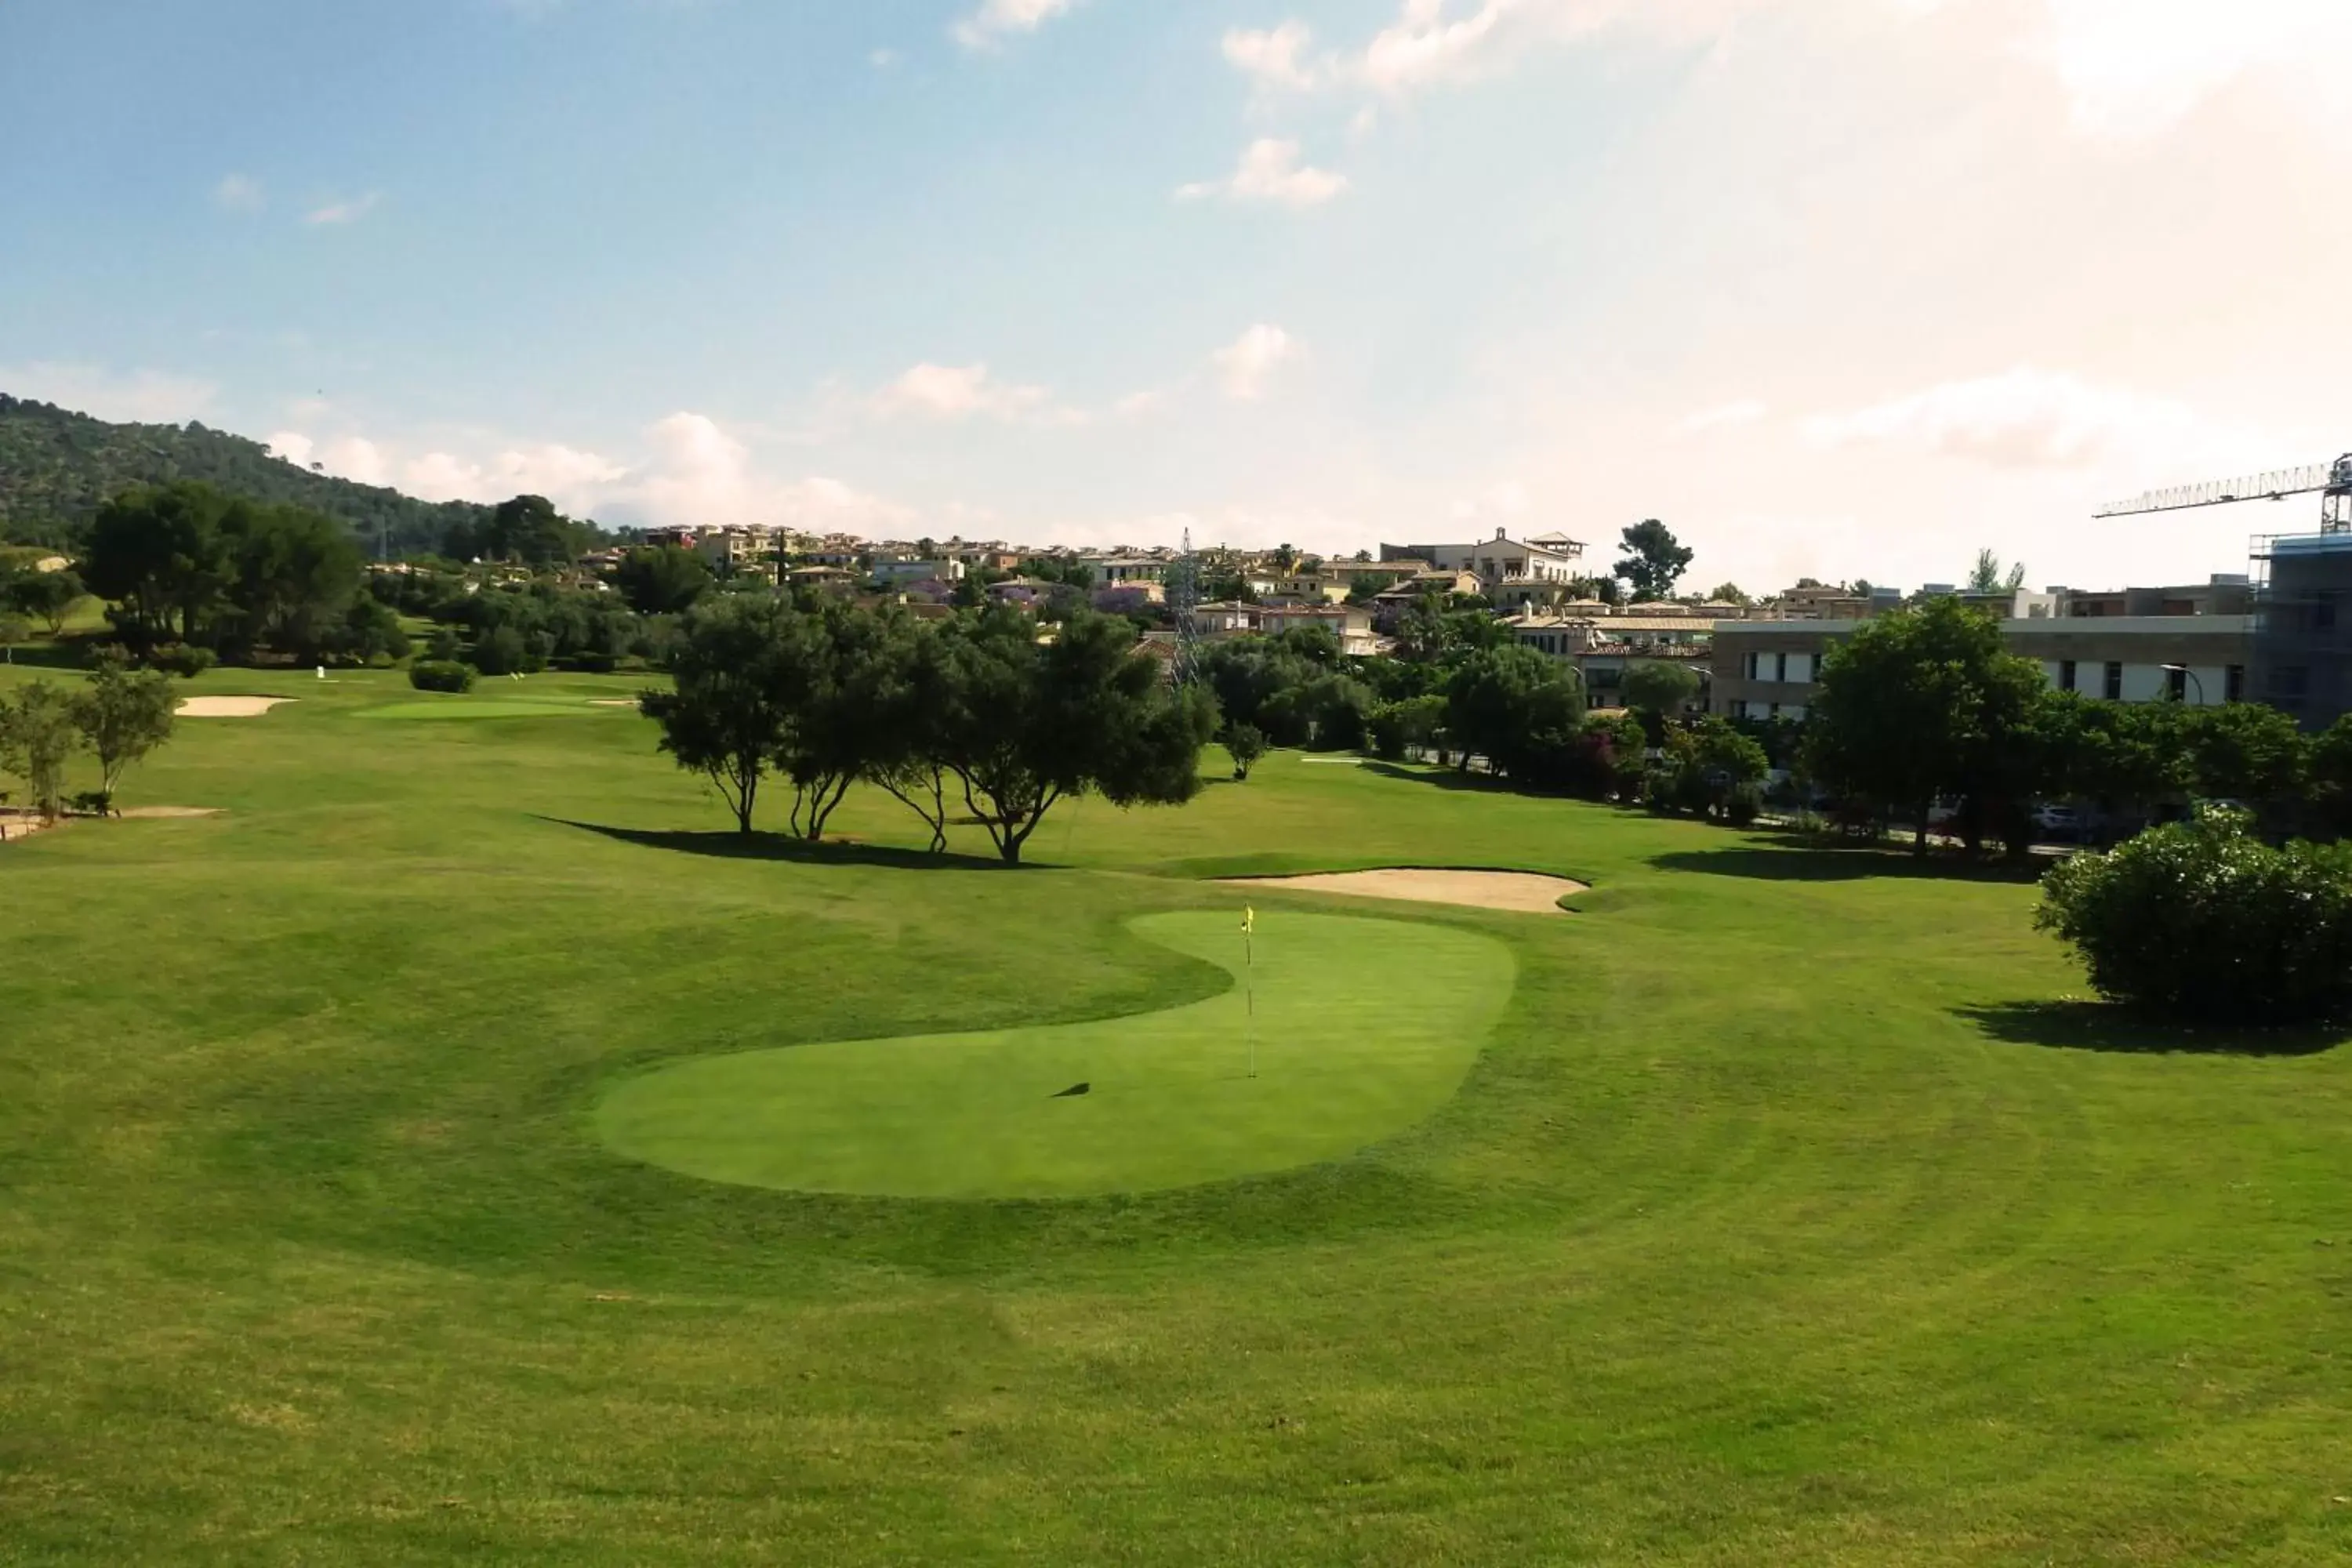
(57, 467)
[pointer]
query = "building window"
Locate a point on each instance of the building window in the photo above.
(2066, 674)
(2114, 683)
(1740, 705)
(2176, 684)
(2322, 613)
(1780, 672)
(2233, 684)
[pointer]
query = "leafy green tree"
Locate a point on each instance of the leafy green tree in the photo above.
(48, 597)
(1035, 724)
(293, 575)
(1245, 743)
(2246, 752)
(1401, 726)
(910, 687)
(1727, 594)
(123, 715)
(1660, 690)
(1654, 560)
(160, 553)
(1986, 576)
(14, 629)
(2202, 921)
(1919, 704)
(735, 691)
(37, 733)
(663, 580)
(1520, 710)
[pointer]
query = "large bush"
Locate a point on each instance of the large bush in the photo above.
(2202, 919)
(441, 675)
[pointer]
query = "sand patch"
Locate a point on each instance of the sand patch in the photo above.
(229, 707)
(167, 813)
(1520, 892)
(14, 826)
(614, 702)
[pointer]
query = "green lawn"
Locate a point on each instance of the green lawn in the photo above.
(1788, 1214)
(1211, 1089)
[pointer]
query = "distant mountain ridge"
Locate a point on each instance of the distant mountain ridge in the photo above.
(57, 467)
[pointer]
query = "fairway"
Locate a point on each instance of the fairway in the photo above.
(483, 708)
(419, 1162)
(1171, 1096)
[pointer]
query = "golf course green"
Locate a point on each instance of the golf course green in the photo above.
(1276, 1071)
(415, 1163)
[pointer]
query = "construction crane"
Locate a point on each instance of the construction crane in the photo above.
(2332, 482)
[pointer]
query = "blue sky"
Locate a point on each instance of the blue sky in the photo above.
(1837, 286)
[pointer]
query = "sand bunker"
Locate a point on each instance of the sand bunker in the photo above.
(1522, 892)
(167, 813)
(614, 702)
(229, 707)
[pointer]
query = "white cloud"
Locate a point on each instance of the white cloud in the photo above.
(1746, 411)
(1428, 44)
(882, 59)
(343, 212)
(1270, 172)
(2024, 418)
(985, 27)
(960, 392)
(1248, 363)
(1271, 57)
(2134, 66)
(138, 398)
(239, 194)
(693, 471)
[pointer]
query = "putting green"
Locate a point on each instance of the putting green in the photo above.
(1361, 1027)
(484, 708)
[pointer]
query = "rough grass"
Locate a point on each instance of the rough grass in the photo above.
(1788, 1218)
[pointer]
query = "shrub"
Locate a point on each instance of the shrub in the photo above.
(2202, 919)
(1745, 804)
(440, 675)
(182, 659)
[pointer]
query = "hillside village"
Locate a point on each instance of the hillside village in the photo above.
(1757, 658)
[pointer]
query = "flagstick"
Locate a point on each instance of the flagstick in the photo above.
(1249, 998)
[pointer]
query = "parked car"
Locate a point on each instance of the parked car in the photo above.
(2062, 823)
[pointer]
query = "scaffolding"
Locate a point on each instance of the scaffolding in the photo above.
(2302, 623)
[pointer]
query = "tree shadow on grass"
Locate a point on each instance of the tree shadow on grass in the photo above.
(1442, 777)
(2076, 1026)
(725, 846)
(50, 656)
(1808, 863)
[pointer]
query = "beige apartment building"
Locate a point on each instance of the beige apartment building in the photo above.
(2189, 645)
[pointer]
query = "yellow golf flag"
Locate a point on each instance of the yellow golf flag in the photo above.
(1249, 920)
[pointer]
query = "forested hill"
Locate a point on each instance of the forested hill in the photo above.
(57, 467)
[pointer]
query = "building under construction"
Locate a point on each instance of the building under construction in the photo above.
(2303, 625)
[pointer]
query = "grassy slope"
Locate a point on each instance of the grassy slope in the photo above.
(1784, 1221)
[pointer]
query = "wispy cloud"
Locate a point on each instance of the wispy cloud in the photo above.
(343, 212)
(2023, 417)
(948, 392)
(996, 19)
(239, 194)
(1270, 172)
(1272, 57)
(137, 397)
(1248, 363)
